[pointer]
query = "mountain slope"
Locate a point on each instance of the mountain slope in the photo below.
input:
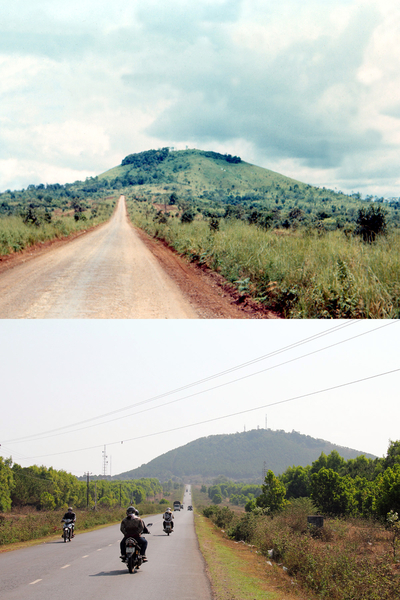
(214, 183)
(196, 170)
(239, 456)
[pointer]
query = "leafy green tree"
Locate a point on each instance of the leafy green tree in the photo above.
(371, 222)
(187, 216)
(47, 501)
(333, 461)
(250, 505)
(273, 493)
(297, 482)
(393, 455)
(359, 466)
(6, 484)
(332, 493)
(387, 491)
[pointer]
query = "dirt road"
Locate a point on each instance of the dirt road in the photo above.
(114, 272)
(107, 273)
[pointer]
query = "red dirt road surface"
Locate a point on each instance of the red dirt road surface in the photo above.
(115, 271)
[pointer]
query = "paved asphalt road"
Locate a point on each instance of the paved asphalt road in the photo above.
(89, 568)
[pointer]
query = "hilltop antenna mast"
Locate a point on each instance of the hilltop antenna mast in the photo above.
(266, 422)
(105, 462)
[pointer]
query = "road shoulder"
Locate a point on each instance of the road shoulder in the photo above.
(237, 571)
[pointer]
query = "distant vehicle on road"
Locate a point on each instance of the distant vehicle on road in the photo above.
(190, 507)
(177, 505)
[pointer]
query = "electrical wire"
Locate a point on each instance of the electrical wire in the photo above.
(242, 412)
(137, 412)
(189, 385)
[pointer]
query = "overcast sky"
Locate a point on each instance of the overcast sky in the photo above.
(310, 89)
(67, 373)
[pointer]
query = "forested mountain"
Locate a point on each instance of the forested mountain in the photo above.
(239, 456)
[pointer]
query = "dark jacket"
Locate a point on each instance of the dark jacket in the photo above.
(70, 515)
(133, 526)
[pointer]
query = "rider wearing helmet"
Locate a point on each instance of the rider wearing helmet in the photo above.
(70, 515)
(168, 518)
(133, 526)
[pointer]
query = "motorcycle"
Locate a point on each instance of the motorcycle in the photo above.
(67, 529)
(134, 559)
(168, 527)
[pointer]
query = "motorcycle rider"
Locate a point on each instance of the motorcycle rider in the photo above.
(71, 516)
(168, 518)
(133, 526)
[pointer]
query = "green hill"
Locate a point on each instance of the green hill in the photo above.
(239, 456)
(220, 185)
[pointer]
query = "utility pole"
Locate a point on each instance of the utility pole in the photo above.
(264, 471)
(87, 488)
(105, 462)
(95, 495)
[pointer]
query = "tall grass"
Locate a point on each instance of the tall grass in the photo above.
(15, 235)
(302, 273)
(347, 560)
(33, 524)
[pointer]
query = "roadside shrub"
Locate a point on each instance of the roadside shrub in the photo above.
(295, 515)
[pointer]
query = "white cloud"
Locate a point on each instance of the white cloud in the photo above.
(310, 84)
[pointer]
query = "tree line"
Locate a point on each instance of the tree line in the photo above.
(50, 489)
(359, 486)
(356, 487)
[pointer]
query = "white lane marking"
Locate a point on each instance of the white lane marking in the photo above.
(65, 566)
(111, 544)
(36, 581)
(86, 555)
(99, 549)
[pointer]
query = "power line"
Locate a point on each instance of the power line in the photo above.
(189, 385)
(51, 434)
(300, 397)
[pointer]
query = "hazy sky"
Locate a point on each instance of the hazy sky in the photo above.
(62, 373)
(310, 89)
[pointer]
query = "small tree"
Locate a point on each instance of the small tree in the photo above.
(187, 216)
(371, 222)
(173, 199)
(273, 494)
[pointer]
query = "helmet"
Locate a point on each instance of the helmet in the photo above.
(168, 510)
(131, 510)
(69, 508)
(136, 512)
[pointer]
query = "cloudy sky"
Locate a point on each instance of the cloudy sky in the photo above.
(70, 387)
(310, 89)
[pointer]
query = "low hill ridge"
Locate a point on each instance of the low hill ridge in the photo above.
(238, 456)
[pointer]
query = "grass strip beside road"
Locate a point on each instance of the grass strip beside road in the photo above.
(236, 571)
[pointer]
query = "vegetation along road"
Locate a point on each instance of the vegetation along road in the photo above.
(111, 273)
(89, 567)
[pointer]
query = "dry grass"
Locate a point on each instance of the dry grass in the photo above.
(345, 560)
